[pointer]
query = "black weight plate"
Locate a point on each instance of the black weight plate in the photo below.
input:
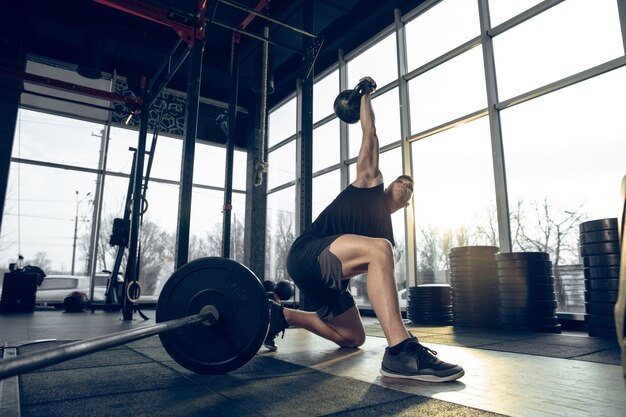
(530, 264)
(474, 270)
(439, 322)
(603, 309)
(429, 315)
(523, 256)
(433, 297)
(530, 321)
(528, 312)
(602, 284)
(601, 296)
(599, 236)
(536, 328)
(543, 295)
(430, 287)
(527, 288)
(602, 332)
(243, 315)
(605, 248)
(474, 250)
(600, 321)
(529, 279)
(601, 260)
(538, 304)
(600, 224)
(472, 262)
(601, 272)
(529, 304)
(504, 271)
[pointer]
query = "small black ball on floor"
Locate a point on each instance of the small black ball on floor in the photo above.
(284, 290)
(76, 302)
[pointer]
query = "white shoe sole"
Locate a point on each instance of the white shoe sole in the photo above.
(425, 378)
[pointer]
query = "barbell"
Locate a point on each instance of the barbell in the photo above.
(212, 317)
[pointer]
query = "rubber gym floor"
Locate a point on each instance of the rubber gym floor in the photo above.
(507, 373)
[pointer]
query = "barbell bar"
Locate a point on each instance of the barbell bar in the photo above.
(212, 317)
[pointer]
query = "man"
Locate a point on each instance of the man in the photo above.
(353, 235)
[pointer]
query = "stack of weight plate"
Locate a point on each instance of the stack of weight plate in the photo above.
(600, 252)
(430, 304)
(526, 290)
(474, 281)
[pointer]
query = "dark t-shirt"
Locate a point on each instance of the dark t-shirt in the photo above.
(359, 211)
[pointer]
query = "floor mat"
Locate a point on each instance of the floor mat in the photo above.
(584, 348)
(140, 379)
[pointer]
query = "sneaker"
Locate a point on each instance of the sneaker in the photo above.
(416, 361)
(278, 324)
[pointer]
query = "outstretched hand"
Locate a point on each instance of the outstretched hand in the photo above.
(368, 89)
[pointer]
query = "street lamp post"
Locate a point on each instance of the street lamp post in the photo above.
(76, 229)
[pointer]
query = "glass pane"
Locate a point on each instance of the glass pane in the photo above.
(240, 170)
(158, 237)
(429, 35)
(281, 232)
(119, 157)
(454, 199)
(209, 166)
(568, 38)
(324, 93)
(576, 149)
(282, 122)
(157, 234)
(379, 61)
(449, 91)
(167, 158)
(387, 111)
(167, 155)
(45, 137)
(325, 188)
(282, 165)
(502, 10)
(326, 145)
(42, 215)
(206, 223)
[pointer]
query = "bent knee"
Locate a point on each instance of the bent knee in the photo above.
(381, 248)
(352, 341)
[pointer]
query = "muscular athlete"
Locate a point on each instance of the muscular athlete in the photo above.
(352, 236)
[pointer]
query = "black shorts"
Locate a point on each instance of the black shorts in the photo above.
(318, 274)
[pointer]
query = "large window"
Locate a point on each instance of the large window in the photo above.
(445, 26)
(451, 90)
(52, 194)
(560, 137)
(576, 150)
(565, 39)
(281, 232)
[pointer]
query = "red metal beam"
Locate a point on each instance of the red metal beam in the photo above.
(251, 16)
(132, 102)
(162, 16)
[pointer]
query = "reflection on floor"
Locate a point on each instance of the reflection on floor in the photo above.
(557, 375)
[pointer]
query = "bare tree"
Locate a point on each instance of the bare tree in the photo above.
(548, 229)
(279, 241)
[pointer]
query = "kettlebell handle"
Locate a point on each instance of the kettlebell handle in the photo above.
(359, 89)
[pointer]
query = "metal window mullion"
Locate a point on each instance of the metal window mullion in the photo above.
(343, 127)
(621, 8)
(405, 129)
(495, 128)
(522, 17)
(299, 162)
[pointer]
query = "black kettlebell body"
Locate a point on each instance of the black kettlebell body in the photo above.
(347, 105)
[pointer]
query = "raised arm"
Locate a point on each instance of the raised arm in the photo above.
(367, 173)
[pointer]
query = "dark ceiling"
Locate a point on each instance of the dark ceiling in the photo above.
(79, 31)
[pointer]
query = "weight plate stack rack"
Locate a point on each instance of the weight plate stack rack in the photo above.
(474, 282)
(600, 253)
(526, 292)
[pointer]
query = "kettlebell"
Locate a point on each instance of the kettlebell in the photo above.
(347, 105)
